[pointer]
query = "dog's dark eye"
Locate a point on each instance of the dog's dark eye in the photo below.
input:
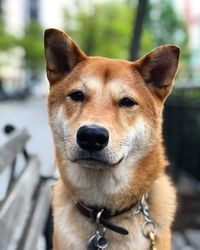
(126, 102)
(77, 96)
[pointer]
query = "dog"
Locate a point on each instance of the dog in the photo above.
(106, 121)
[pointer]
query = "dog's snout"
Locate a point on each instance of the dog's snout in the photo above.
(92, 137)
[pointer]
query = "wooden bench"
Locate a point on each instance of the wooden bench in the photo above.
(25, 204)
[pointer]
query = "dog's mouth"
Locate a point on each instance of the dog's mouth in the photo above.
(92, 162)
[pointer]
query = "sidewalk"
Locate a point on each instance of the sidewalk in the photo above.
(187, 222)
(32, 115)
(189, 240)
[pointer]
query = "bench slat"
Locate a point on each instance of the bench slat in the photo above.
(39, 217)
(16, 208)
(15, 145)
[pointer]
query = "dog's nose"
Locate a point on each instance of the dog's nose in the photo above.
(92, 137)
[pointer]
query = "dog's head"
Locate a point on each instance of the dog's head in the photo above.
(105, 112)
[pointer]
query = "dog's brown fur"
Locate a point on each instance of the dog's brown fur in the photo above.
(135, 137)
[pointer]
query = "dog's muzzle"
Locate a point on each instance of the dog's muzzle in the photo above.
(92, 141)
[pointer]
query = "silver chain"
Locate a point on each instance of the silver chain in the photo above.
(149, 225)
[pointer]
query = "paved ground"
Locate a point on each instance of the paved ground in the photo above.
(30, 114)
(189, 240)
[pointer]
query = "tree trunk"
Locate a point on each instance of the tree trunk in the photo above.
(137, 29)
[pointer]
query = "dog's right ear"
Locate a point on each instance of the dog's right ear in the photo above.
(61, 54)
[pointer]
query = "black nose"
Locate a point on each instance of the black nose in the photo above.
(92, 137)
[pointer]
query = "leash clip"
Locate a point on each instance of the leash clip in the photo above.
(149, 227)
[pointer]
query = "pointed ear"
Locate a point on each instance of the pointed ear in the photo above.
(61, 54)
(158, 69)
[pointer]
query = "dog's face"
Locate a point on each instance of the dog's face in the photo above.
(105, 112)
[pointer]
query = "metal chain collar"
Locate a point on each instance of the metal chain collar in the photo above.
(149, 227)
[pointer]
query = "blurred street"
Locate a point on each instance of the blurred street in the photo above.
(32, 115)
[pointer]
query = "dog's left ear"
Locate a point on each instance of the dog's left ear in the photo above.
(61, 54)
(158, 69)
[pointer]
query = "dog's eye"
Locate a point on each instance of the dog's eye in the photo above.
(126, 102)
(77, 96)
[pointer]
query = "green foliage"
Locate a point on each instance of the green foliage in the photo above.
(163, 25)
(32, 43)
(104, 32)
(6, 40)
(107, 31)
(187, 93)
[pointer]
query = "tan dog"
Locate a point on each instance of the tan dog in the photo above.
(106, 119)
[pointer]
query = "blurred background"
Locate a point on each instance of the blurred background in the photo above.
(125, 29)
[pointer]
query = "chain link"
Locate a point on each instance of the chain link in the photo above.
(149, 227)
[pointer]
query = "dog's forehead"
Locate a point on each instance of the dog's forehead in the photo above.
(107, 71)
(108, 68)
